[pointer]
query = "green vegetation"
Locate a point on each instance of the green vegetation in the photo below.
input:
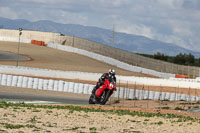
(73, 128)
(164, 107)
(49, 111)
(181, 58)
(93, 129)
(11, 126)
(118, 112)
(33, 120)
(35, 110)
(136, 132)
(178, 108)
(159, 123)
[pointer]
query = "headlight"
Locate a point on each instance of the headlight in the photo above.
(111, 85)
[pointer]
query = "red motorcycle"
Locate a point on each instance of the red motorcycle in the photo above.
(103, 93)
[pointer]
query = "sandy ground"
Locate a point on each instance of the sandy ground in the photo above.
(48, 58)
(26, 120)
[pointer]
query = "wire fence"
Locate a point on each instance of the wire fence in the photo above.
(161, 97)
(131, 58)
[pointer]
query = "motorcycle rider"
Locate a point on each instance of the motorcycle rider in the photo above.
(110, 74)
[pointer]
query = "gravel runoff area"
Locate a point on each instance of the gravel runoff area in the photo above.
(26, 118)
(48, 58)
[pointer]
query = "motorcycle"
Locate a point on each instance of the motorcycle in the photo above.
(103, 93)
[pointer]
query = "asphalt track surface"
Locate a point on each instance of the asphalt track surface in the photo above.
(32, 97)
(7, 56)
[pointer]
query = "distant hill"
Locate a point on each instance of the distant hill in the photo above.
(129, 42)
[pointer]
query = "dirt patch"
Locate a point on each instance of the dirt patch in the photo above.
(48, 58)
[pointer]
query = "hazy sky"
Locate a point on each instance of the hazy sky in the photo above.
(176, 21)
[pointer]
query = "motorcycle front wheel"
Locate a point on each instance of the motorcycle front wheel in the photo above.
(104, 97)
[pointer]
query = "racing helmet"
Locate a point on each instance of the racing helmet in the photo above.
(111, 72)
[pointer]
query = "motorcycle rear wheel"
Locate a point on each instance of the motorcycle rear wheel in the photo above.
(91, 99)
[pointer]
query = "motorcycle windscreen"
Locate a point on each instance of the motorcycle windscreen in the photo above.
(100, 90)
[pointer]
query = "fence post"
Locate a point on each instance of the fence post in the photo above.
(175, 98)
(134, 94)
(142, 97)
(199, 71)
(189, 94)
(179, 94)
(160, 96)
(148, 98)
(123, 95)
(195, 95)
(127, 91)
(119, 90)
(189, 99)
(160, 92)
(135, 91)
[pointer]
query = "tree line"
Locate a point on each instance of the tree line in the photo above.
(181, 58)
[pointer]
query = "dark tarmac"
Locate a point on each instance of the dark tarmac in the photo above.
(7, 56)
(34, 97)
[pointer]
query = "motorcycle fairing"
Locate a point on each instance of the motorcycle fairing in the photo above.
(100, 90)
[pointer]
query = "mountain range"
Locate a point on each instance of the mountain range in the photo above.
(129, 42)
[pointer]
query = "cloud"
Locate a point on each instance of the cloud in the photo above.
(191, 4)
(174, 21)
(7, 12)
